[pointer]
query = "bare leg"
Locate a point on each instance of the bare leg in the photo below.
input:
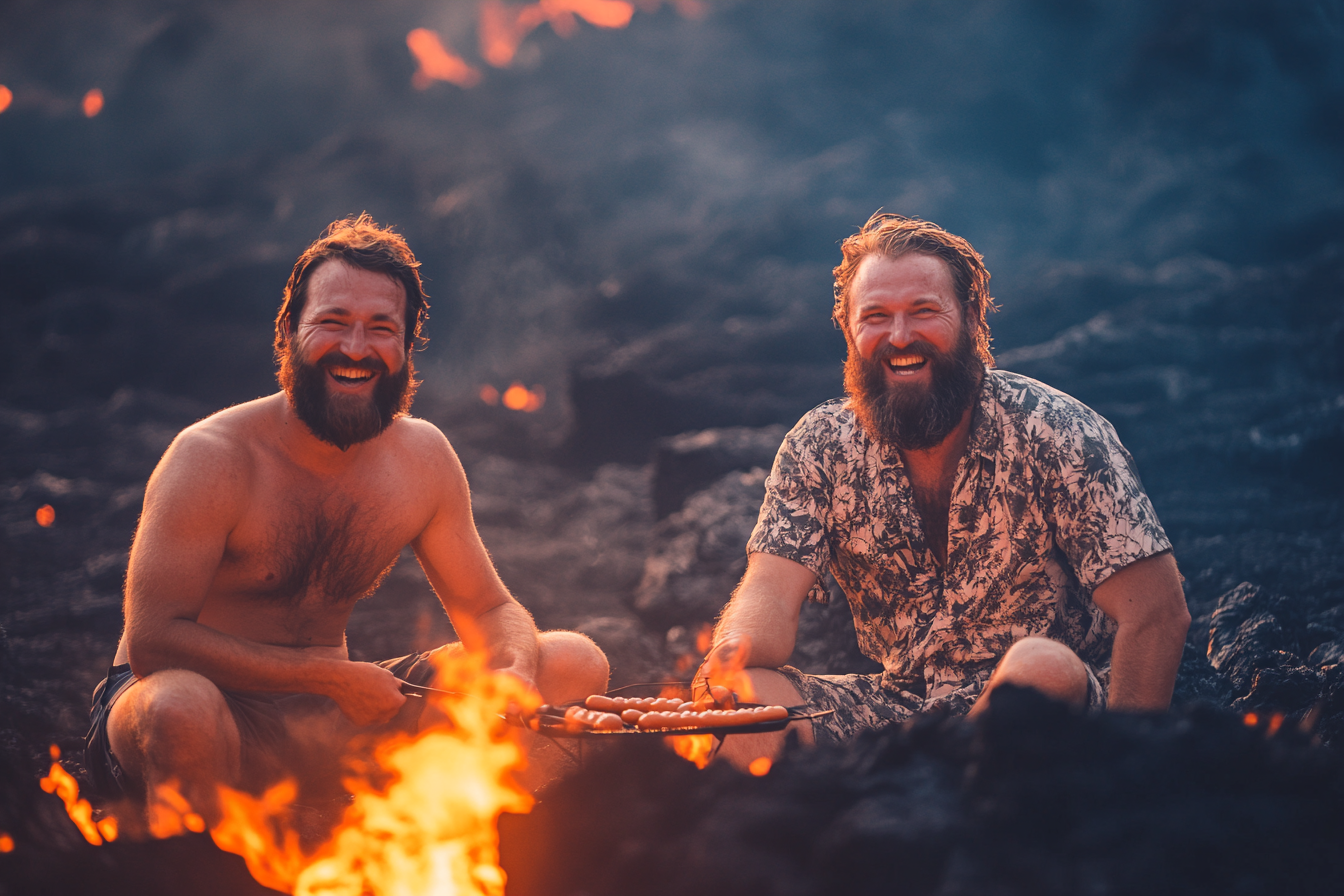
(774, 689)
(173, 727)
(1043, 664)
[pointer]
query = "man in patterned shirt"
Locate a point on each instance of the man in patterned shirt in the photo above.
(984, 527)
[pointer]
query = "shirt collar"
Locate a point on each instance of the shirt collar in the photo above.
(986, 437)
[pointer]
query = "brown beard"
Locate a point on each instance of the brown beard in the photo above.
(913, 417)
(345, 420)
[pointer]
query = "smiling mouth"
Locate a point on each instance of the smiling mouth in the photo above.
(906, 364)
(350, 376)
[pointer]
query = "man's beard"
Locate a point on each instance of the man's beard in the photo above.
(345, 420)
(913, 417)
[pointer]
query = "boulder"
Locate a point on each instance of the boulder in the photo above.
(1244, 634)
(687, 463)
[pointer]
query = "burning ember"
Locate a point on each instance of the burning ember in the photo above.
(516, 398)
(423, 811)
(437, 63)
(6, 97)
(503, 26)
(92, 103)
(46, 516)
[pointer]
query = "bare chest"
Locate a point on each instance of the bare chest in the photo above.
(315, 544)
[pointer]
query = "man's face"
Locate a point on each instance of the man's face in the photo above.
(912, 370)
(347, 373)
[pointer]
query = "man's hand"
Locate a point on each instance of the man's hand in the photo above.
(721, 675)
(368, 694)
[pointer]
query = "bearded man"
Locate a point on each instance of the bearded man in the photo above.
(264, 524)
(985, 528)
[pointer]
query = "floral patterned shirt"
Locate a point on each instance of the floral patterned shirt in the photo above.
(1046, 504)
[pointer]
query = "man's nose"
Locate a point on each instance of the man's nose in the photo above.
(356, 342)
(901, 333)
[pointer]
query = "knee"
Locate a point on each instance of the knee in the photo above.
(172, 705)
(571, 662)
(1046, 665)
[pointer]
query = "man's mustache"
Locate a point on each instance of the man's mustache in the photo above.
(341, 359)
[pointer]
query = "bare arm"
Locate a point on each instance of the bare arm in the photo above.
(1146, 600)
(760, 623)
(485, 614)
(197, 494)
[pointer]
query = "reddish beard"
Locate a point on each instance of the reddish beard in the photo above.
(913, 417)
(345, 420)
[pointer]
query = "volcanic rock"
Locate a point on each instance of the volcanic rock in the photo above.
(687, 463)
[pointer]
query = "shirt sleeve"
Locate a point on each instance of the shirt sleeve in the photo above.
(1103, 517)
(793, 519)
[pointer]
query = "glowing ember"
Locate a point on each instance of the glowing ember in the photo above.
(489, 394)
(170, 815)
(1251, 720)
(6, 842)
(46, 516)
(6, 97)
(432, 828)
(760, 766)
(61, 783)
(704, 638)
(437, 63)
(519, 398)
(93, 103)
(1275, 723)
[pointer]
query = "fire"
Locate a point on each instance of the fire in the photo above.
(93, 103)
(697, 748)
(423, 817)
(503, 26)
(46, 516)
(1251, 720)
(726, 667)
(437, 63)
(704, 639)
(760, 766)
(6, 842)
(6, 97)
(520, 398)
(63, 784)
(431, 828)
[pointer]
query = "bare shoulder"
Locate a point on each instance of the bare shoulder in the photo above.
(213, 458)
(425, 456)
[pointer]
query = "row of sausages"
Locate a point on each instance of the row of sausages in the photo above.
(664, 713)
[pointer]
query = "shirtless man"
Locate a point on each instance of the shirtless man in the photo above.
(264, 524)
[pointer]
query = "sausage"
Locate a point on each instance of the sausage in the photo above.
(631, 715)
(601, 702)
(577, 719)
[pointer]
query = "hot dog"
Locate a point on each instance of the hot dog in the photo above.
(712, 718)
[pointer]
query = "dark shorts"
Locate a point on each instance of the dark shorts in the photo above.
(266, 723)
(868, 702)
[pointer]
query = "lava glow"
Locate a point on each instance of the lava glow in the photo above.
(437, 63)
(61, 783)
(46, 516)
(6, 97)
(503, 26)
(92, 103)
(760, 766)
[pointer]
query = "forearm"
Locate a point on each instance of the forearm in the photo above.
(1144, 662)
(767, 636)
(508, 636)
(234, 663)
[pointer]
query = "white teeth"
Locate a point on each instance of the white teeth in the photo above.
(353, 373)
(907, 362)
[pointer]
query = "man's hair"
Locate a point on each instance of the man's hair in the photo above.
(892, 236)
(361, 243)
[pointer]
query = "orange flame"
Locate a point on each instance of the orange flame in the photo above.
(46, 516)
(6, 842)
(519, 398)
(704, 639)
(170, 815)
(727, 667)
(437, 63)
(93, 103)
(1275, 723)
(6, 97)
(697, 748)
(431, 829)
(760, 766)
(61, 783)
(503, 27)
(1251, 720)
